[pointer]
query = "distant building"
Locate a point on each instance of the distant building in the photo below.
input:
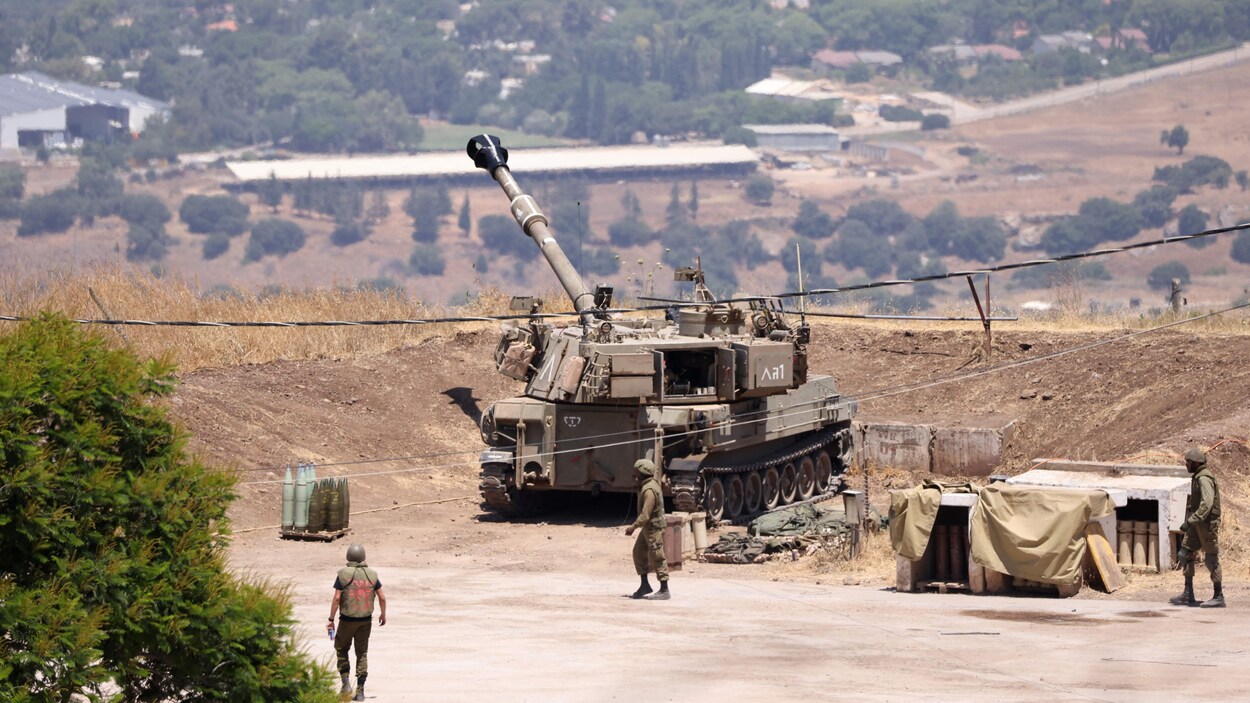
(705, 160)
(38, 110)
(840, 60)
(1051, 43)
(965, 54)
(784, 88)
(795, 137)
(531, 63)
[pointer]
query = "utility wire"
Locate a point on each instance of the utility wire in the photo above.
(870, 396)
(652, 308)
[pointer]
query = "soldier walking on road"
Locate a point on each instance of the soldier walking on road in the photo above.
(649, 547)
(1202, 531)
(354, 590)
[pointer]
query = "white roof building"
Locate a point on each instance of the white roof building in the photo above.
(38, 109)
(615, 161)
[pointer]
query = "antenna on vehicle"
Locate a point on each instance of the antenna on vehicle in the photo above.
(798, 253)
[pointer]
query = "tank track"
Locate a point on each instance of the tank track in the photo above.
(506, 501)
(687, 487)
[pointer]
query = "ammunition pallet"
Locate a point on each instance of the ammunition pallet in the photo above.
(314, 536)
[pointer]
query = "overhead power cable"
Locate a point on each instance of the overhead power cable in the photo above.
(667, 304)
(1000, 267)
(867, 397)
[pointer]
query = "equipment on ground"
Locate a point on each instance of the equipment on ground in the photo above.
(718, 395)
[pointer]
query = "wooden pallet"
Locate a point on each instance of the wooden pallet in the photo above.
(314, 536)
(945, 586)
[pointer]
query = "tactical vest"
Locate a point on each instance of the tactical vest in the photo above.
(1195, 495)
(655, 521)
(358, 592)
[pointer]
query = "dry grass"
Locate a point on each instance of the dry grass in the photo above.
(133, 294)
(128, 294)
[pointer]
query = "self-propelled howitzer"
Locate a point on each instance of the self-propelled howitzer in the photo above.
(717, 394)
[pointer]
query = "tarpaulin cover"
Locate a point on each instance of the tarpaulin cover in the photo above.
(1035, 533)
(913, 512)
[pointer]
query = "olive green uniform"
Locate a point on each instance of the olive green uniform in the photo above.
(649, 546)
(354, 628)
(1202, 524)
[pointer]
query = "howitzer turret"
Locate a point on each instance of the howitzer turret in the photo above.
(718, 395)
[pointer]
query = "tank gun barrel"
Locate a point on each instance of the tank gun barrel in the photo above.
(489, 155)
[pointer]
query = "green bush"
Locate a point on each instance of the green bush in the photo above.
(1161, 276)
(427, 260)
(812, 222)
(1155, 205)
(43, 214)
(12, 182)
(935, 120)
(1241, 248)
(145, 243)
(502, 235)
(759, 189)
(1198, 171)
(144, 209)
(739, 135)
(630, 232)
(1192, 220)
(215, 245)
(348, 232)
(274, 238)
(114, 575)
(899, 113)
(206, 214)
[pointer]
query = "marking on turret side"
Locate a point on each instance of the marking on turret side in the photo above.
(572, 420)
(773, 373)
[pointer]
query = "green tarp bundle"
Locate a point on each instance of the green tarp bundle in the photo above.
(913, 512)
(782, 530)
(1035, 533)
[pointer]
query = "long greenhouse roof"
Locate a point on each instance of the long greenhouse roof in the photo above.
(546, 161)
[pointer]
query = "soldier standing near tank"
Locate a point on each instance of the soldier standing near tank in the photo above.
(354, 591)
(649, 546)
(1202, 531)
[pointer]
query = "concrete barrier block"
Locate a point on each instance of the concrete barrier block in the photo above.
(896, 445)
(968, 451)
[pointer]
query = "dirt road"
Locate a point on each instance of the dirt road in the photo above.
(486, 611)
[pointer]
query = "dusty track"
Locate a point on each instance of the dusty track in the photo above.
(533, 611)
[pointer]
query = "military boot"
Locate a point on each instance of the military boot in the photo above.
(1217, 601)
(1187, 596)
(346, 690)
(643, 589)
(663, 594)
(360, 690)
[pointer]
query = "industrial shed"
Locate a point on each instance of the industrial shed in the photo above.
(678, 160)
(38, 110)
(796, 137)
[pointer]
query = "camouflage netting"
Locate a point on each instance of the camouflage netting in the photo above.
(802, 528)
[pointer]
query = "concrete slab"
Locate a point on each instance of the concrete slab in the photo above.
(896, 445)
(969, 451)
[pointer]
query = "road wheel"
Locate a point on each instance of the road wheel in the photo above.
(824, 471)
(754, 487)
(807, 478)
(735, 497)
(714, 499)
(789, 483)
(771, 481)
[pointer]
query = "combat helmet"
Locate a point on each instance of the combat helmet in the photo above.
(1195, 458)
(645, 467)
(356, 553)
